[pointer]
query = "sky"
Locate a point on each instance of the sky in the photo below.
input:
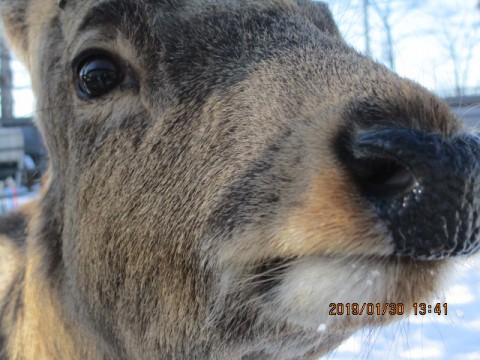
(425, 35)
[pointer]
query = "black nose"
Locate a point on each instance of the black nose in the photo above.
(424, 187)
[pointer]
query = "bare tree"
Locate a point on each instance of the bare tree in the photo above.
(459, 37)
(389, 13)
(366, 26)
(383, 14)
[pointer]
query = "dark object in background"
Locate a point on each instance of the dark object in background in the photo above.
(33, 147)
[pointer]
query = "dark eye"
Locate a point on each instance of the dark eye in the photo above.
(97, 75)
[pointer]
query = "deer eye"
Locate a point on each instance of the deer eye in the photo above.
(97, 75)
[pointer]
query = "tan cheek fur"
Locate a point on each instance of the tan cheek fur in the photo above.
(41, 320)
(10, 259)
(329, 220)
(39, 331)
(332, 220)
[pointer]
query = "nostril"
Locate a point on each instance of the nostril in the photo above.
(399, 176)
(384, 163)
(423, 186)
(384, 177)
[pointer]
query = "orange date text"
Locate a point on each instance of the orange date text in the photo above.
(366, 308)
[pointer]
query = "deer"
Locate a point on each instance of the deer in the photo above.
(220, 173)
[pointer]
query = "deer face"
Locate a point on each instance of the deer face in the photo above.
(221, 172)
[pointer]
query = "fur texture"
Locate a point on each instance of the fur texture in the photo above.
(202, 208)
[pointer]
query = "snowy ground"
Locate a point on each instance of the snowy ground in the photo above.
(455, 336)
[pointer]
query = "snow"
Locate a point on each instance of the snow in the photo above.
(455, 336)
(321, 328)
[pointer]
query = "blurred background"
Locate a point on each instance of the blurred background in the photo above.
(434, 42)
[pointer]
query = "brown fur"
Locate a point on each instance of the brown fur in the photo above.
(200, 210)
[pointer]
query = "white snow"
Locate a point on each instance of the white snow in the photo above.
(321, 328)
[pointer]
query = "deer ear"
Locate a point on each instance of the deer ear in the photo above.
(319, 13)
(15, 26)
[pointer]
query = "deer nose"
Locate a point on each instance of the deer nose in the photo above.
(424, 187)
